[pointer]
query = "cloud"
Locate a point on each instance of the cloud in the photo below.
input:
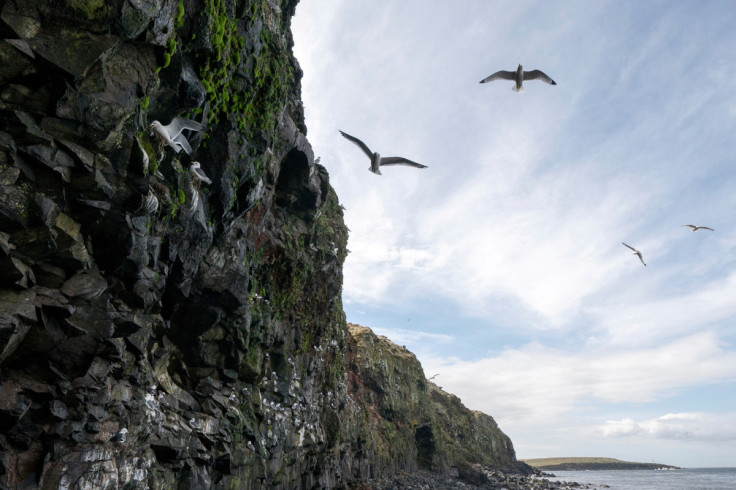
(695, 426)
(535, 384)
(412, 337)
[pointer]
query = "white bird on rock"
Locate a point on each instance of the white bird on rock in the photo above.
(635, 252)
(376, 159)
(197, 173)
(694, 228)
(518, 77)
(171, 134)
(196, 177)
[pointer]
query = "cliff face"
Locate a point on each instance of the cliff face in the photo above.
(204, 318)
(400, 420)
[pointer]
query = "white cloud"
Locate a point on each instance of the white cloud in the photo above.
(689, 426)
(537, 384)
(412, 337)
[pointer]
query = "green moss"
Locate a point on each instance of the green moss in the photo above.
(148, 146)
(254, 108)
(179, 15)
(89, 8)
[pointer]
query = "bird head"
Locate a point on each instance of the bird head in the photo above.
(153, 127)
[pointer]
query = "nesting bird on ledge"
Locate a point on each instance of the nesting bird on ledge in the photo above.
(377, 161)
(518, 77)
(196, 177)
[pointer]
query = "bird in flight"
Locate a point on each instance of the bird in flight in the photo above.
(518, 77)
(171, 133)
(378, 161)
(694, 228)
(635, 252)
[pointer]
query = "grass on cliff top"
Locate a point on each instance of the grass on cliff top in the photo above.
(556, 461)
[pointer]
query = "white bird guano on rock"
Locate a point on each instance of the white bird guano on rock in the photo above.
(378, 161)
(171, 134)
(635, 252)
(518, 77)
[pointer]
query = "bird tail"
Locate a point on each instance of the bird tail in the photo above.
(517, 89)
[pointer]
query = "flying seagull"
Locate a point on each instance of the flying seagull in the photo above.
(378, 161)
(635, 252)
(171, 134)
(694, 228)
(518, 77)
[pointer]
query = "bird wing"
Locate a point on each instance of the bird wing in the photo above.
(693, 227)
(706, 228)
(179, 124)
(503, 74)
(362, 145)
(400, 161)
(638, 254)
(182, 141)
(629, 246)
(538, 75)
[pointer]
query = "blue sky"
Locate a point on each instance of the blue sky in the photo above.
(501, 264)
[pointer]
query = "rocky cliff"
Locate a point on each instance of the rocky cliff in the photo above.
(202, 316)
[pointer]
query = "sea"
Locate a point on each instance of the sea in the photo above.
(684, 479)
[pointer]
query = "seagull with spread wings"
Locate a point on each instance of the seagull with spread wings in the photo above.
(378, 161)
(518, 77)
(694, 228)
(171, 134)
(635, 252)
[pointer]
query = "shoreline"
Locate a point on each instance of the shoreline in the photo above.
(474, 476)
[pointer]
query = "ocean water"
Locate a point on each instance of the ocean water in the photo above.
(686, 479)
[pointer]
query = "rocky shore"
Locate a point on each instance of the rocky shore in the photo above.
(482, 477)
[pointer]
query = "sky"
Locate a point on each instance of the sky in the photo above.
(501, 265)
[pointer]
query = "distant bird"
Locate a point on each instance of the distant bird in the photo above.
(377, 161)
(430, 379)
(518, 77)
(635, 252)
(694, 228)
(120, 436)
(171, 134)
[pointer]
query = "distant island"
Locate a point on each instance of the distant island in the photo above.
(578, 464)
